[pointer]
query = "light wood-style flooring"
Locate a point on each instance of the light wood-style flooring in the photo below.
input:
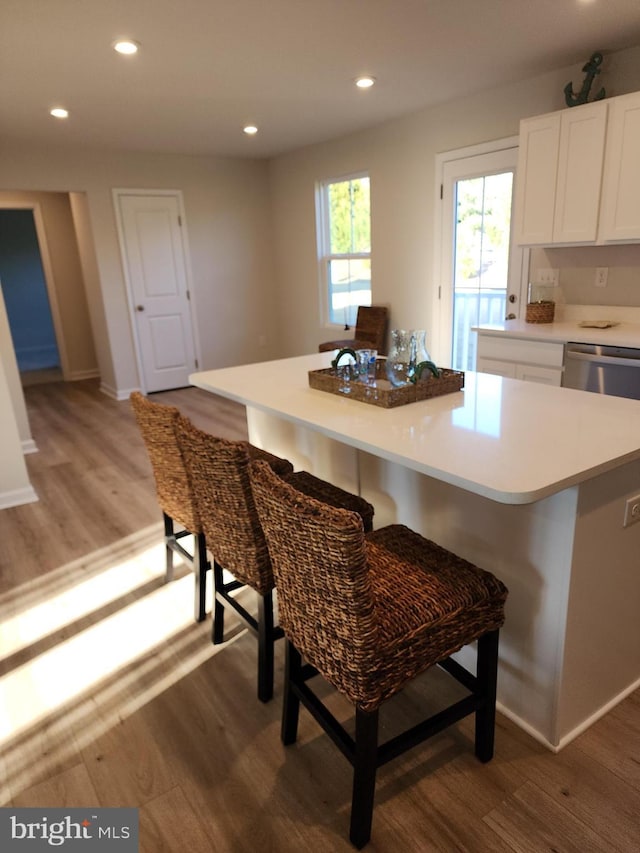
(110, 695)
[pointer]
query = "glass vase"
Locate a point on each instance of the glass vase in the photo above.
(407, 350)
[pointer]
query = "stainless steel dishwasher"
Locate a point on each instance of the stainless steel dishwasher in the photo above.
(603, 369)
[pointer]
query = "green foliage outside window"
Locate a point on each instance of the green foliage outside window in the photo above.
(350, 216)
(482, 224)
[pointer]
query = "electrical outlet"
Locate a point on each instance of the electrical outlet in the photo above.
(547, 275)
(631, 511)
(602, 274)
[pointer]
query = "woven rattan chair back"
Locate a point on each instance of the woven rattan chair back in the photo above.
(371, 326)
(219, 475)
(370, 331)
(325, 600)
(157, 424)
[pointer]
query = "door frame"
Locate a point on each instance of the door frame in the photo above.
(442, 304)
(49, 278)
(118, 193)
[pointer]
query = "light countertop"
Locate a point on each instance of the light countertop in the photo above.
(622, 335)
(513, 442)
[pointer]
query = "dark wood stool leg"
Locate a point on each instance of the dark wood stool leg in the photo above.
(200, 574)
(217, 631)
(168, 534)
(487, 674)
(290, 702)
(364, 777)
(265, 647)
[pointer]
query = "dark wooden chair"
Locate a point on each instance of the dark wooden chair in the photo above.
(157, 424)
(219, 475)
(370, 331)
(369, 613)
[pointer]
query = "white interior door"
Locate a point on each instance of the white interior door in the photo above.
(154, 259)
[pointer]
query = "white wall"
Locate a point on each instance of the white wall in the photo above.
(400, 158)
(16, 403)
(227, 213)
(15, 487)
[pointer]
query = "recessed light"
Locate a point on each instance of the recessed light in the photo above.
(59, 112)
(250, 130)
(365, 82)
(126, 46)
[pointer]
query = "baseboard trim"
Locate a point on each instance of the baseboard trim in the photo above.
(527, 727)
(18, 497)
(585, 724)
(579, 729)
(116, 394)
(77, 375)
(29, 446)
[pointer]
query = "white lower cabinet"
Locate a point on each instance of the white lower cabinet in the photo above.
(498, 368)
(516, 358)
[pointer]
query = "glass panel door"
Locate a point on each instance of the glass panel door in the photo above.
(479, 272)
(481, 259)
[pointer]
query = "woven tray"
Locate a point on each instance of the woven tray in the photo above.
(381, 392)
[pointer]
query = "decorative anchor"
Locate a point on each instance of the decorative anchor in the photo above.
(592, 69)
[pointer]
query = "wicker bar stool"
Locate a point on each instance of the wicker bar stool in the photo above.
(219, 475)
(157, 423)
(369, 612)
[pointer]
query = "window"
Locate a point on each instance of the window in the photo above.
(344, 246)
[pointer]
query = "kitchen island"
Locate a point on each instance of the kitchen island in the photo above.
(527, 481)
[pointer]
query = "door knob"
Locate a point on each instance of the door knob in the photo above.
(513, 298)
(510, 317)
(139, 307)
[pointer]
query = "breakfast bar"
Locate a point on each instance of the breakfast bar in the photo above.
(528, 481)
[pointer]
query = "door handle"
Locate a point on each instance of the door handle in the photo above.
(139, 307)
(510, 317)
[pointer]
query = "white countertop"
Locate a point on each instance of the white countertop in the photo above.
(511, 441)
(622, 335)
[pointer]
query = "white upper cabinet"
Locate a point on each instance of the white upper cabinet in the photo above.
(580, 166)
(559, 178)
(620, 216)
(536, 179)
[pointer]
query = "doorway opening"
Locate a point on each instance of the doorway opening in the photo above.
(26, 298)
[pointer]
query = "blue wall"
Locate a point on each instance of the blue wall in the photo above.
(25, 292)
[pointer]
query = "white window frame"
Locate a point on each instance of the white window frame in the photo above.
(323, 237)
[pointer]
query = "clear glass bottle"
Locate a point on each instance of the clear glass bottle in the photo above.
(540, 292)
(407, 350)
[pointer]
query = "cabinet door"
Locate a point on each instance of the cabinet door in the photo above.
(497, 368)
(620, 216)
(543, 375)
(536, 179)
(580, 164)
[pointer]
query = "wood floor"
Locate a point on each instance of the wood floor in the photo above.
(110, 695)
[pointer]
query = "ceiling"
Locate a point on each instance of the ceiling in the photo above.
(208, 67)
